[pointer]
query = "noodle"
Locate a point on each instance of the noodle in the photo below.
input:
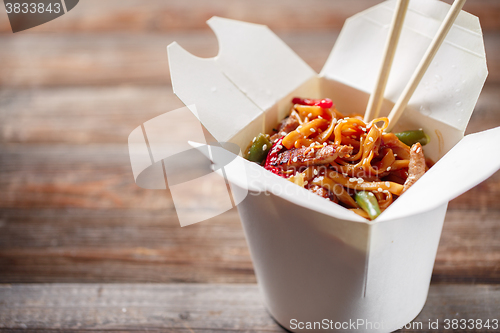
(337, 157)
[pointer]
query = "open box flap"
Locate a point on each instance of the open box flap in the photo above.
(451, 86)
(253, 70)
(255, 178)
(221, 107)
(471, 161)
(446, 96)
(257, 61)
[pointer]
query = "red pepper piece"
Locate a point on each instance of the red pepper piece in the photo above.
(323, 103)
(272, 156)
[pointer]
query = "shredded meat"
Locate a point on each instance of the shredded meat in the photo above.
(287, 125)
(416, 168)
(301, 157)
(323, 192)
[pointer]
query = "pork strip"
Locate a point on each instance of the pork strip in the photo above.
(306, 156)
(287, 125)
(416, 168)
(323, 192)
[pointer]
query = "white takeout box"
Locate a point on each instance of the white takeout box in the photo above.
(315, 260)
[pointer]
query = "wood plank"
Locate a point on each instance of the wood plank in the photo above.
(88, 115)
(195, 307)
(122, 246)
(87, 245)
(166, 16)
(83, 115)
(34, 60)
(93, 176)
(465, 252)
(99, 176)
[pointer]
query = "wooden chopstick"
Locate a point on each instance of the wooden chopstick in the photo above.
(376, 98)
(419, 72)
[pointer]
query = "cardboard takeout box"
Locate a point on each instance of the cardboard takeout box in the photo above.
(315, 260)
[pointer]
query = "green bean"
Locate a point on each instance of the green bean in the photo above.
(368, 202)
(411, 137)
(259, 149)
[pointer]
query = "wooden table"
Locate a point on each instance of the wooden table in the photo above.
(83, 248)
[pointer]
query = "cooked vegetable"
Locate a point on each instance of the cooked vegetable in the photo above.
(259, 149)
(324, 103)
(368, 202)
(411, 137)
(355, 164)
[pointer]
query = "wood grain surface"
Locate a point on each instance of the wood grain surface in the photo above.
(135, 16)
(84, 59)
(195, 307)
(66, 177)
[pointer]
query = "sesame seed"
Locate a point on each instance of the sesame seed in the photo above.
(360, 180)
(386, 191)
(312, 150)
(320, 117)
(305, 183)
(380, 189)
(352, 180)
(284, 133)
(418, 150)
(395, 155)
(345, 174)
(264, 147)
(364, 129)
(387, 184)
(254, 139)
(315, 172)
(312, 130)
(388, 168)
(279, 146)
(312, 144)
(294, 159)
(310, 115)
(370, 138)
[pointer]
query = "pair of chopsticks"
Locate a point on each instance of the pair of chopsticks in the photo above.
(377, 96)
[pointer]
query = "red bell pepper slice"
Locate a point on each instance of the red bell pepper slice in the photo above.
(323, 103)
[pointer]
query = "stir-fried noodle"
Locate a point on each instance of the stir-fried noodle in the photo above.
(342, 159)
